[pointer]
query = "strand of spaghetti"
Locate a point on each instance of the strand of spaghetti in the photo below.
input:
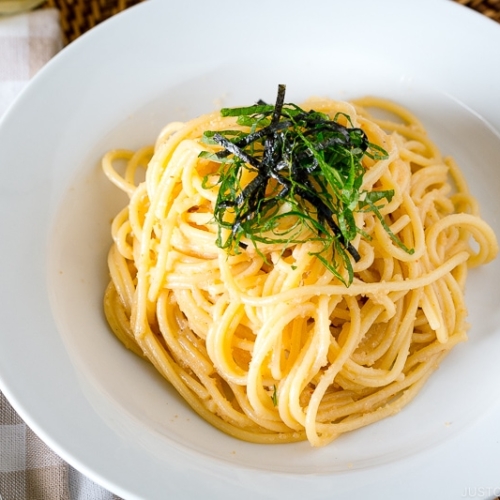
(165, 365)
(381, 376)
(120, 276)
(220, 339)
(356, 288)
(480, 230)
(165, 149)
(355, 334)
(407, 389)
(133, 160)
(409, 119)
(121, 229)
(418, 237)
(275, 425)
(384, 335)
(119, 320)
(264, 343)
(312, 358)
(137, 207)
(107, 164)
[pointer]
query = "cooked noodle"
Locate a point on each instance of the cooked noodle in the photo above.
(268, 346)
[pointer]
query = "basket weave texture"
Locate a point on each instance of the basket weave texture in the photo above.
(78, 16)
(490, 8)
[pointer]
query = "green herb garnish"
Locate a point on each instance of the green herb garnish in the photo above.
(274, 397)
(303, 174)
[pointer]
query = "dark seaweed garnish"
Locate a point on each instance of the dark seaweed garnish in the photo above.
(306, 177)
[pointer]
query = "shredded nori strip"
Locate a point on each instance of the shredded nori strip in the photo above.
(307, 173)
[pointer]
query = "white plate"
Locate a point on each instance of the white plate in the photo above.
(105, 411)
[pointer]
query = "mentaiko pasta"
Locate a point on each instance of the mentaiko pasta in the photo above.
(265, 342)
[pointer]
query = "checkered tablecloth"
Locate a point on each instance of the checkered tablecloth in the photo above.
(30, 470)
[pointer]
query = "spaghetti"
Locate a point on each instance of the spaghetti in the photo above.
(266, 343)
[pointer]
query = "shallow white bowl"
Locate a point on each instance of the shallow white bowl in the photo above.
(107, 412)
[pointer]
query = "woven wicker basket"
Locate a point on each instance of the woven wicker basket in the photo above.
(78, 16)
(490, 8)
